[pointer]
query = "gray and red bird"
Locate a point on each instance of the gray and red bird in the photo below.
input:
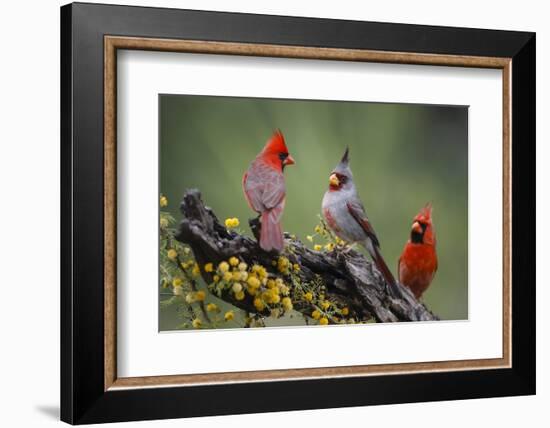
(347, 218)
(265, 191)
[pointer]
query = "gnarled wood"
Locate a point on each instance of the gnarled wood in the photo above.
(349, 277)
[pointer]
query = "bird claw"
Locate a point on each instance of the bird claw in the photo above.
(255, 226)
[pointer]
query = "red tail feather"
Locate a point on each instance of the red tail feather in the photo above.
(271, 234)
(384, 270)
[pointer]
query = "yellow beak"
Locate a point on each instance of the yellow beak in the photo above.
(333, 180)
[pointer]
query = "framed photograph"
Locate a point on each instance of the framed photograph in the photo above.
(257, 207)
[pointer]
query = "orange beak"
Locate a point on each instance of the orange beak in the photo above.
(333, 180)
(289, 160)
(416, 227)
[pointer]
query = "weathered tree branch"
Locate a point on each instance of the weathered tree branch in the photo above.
(350, 278)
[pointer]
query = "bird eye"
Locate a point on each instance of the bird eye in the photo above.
(283, 156)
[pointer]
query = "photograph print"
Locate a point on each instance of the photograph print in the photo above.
(294, 213)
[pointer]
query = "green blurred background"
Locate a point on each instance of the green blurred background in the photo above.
(402, 156)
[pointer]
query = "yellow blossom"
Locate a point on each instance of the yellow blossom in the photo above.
(233, 261)
(309, 238)
(177, 282)
(325, 305)
(282, 264)
(212, 307)
(308, 296)
(316, 314)
(244, 276)
(227, 276)
(296, 267)
(259, 304)
(172, 254)
(163, 201)
(196, 270)
(232, 222)
(323, 321)
(208, 267)
(271, 283)
(239, 295)
(275, 298)
(229, 315)
(260, 270)
(197, 323)
(189, 298)
(178, 291)
(329, 246)
(253, 282)
(237, 287)
(200, 295)
(163, 222)
(287, 303)
(242, 266)
(318, 229)
(284, 289)
(317, 247)
(262, 273)
(236, 275)
(345, 311)
(223, 267)
(216, 278)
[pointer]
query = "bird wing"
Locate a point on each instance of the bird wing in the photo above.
(357, 211)
(264, 187)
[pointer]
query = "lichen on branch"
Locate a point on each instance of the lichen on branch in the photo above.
(331, 283)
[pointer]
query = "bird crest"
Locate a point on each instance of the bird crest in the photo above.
(425, 214)
(276, 144)
(343, 165)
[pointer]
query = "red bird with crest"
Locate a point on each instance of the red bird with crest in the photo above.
(418, 262)
(265, 191)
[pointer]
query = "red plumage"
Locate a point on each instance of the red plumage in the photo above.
(418, 262)
(264, 189)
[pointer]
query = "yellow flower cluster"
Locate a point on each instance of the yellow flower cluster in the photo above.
(172, 254)
(164, 222)
(212, 307)
(283, 265)
(195, 296)
(230, 223)
(329, 246)
(163, 201)
(240, 279)
(333, 241)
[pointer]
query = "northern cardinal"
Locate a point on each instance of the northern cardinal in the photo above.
(264, 189)
(346, 216)
(418, 262)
